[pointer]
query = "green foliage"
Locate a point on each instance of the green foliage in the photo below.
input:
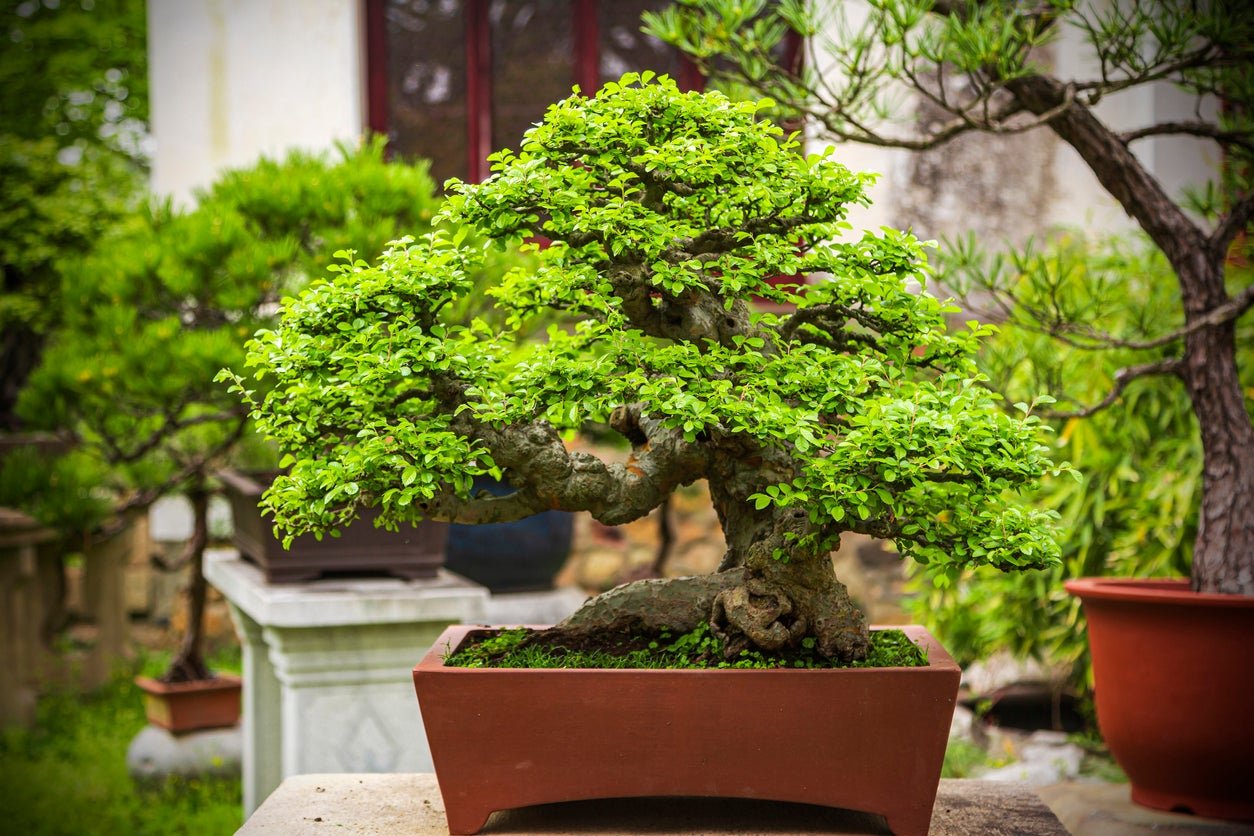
(49, 213)
(76, 71)
(60, 491)
(69, 773)
(699, 648)
(1130, 509)
(964, 759)
(73, 118)
(667, 212)
(149, 319)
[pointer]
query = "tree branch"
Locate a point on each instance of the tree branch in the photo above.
(550, 477)
(1226, 312)
(1127, 180)
(1243, 139)
(1237, 221)
(1123, 377)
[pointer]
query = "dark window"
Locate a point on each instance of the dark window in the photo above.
(454, 80)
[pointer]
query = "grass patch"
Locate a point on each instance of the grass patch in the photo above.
(700, 648)
(964, 759)
(67, 774)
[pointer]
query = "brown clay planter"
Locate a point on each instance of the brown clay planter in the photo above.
(189, 706)
(412, 552)
(870, 739)
(1173, 684)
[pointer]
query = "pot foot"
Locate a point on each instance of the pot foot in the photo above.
(465, 820)
(914, 823)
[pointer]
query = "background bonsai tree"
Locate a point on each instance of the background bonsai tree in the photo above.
(667, 212)
(149, 319)
(975, 63)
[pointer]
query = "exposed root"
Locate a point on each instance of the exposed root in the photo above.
(772, 616)
(651, 606)
(746, 611)
(756, 615)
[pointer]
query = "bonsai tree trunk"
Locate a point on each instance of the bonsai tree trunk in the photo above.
(771, 592)
(189, 664)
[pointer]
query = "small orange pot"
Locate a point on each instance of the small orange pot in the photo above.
(1173, 682)
(191, 706)
(870, 739)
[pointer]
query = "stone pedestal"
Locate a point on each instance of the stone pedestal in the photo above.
(327, 685)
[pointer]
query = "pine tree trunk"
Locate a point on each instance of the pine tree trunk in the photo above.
(1223, 554)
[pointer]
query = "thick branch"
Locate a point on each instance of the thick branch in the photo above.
(550, 477)
(1123, 176)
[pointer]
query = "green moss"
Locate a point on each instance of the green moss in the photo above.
(700, 648)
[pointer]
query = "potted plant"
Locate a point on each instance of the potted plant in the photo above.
(146, 322)
(859, 411)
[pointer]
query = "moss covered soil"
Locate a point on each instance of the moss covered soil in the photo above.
(698, 649)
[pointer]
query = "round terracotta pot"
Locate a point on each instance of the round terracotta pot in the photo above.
(1174, 685)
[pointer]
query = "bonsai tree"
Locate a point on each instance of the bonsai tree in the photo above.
(148, 320)
(666, 213)
(975, 64)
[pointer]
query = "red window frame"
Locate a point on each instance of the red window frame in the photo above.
(479, 71)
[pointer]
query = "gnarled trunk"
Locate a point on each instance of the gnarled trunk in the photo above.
(755, 600)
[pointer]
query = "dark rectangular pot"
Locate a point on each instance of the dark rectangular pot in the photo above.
(190, 706)
(413, 552)
(870, 739)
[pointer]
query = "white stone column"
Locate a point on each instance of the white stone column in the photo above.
(327, 684)
(261, 714)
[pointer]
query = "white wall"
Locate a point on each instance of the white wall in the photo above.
(232, 80)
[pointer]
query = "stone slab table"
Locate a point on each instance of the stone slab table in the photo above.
(1099, 809)
(327, 682)
(356, 805)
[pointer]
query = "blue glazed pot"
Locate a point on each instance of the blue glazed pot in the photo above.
(518, 556)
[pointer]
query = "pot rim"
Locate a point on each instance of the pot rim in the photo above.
(1152, 591)
(938, 659)
(219, 682)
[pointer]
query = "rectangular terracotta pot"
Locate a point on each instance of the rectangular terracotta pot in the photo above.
(412, 552)
(190, 706)
(870, 739)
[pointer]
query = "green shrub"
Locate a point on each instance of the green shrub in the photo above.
(148, 320)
